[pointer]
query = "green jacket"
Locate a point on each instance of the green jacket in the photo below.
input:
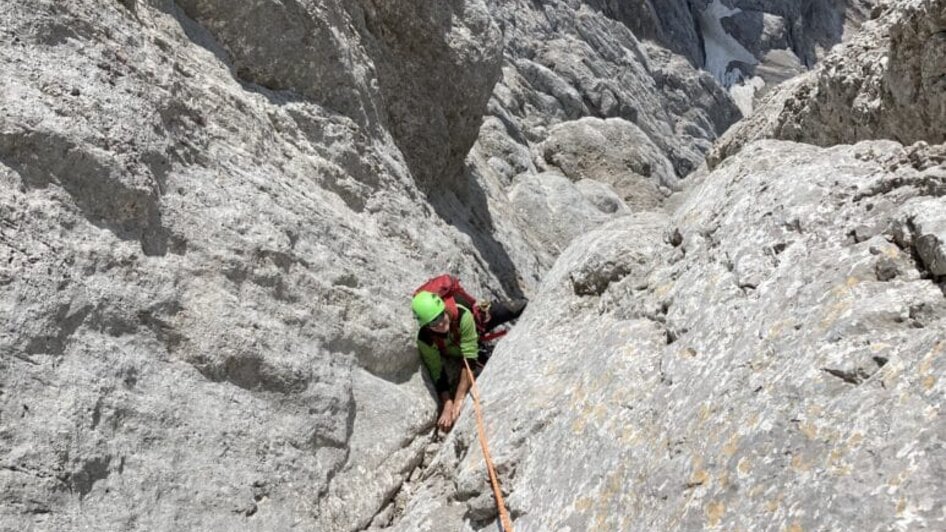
(459, 341)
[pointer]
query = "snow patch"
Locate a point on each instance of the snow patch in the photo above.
(721, 47)
(744, 94)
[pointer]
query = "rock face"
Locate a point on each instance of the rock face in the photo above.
(612, 151)
(212, 215)
(433, 66)
(806, 28)
(767, 357)
(886, 83)
(198, 226)
(574, 76)
(564, 210)
(738, 34)
(589, 89)
(752, 46)
(581, 96)
(564, 61)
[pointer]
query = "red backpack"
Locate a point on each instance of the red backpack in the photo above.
(452, 292)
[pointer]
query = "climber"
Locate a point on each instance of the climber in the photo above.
(453, 325)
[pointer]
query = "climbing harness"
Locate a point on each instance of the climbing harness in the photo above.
(481, 432)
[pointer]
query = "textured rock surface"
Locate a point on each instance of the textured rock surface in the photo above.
(564, 61)
(753, 45)
(212, 214)
(888, 82)
(560, 210)
(611, 151)
(432, 65)
(806, 28)
(590, 88)
(575, 76)
(192, 263)
(768, 357)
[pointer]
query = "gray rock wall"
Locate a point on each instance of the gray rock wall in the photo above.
(421, 71)
(630, 79)
(212, 215)
(768, 357)
(565, 61)
(763, 357)
(752, 46)
(575, 76)
(806, 28)
(884, 83)
(208, 236)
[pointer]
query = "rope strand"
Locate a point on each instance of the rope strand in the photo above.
(481, 432)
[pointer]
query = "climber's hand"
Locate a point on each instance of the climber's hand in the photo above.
(447, 416)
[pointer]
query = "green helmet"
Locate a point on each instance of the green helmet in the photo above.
(427, 306)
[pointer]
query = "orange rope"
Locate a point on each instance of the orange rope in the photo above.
(481, 432)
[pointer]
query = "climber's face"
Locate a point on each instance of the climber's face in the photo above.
(440, 324)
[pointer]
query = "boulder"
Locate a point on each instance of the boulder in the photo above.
(612, 151)
(559, 210)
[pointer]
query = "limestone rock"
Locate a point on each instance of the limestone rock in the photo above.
(808, 29)
(557, 208)
(570, 62)
(564, 62)
(778, 66)
(212, 215)
(576, 72)
(612, 151)
(924, 228)
(602, 196)
(739, 364)
(668, 22)
(885, 83)
(751, 46)
(197, 225)
(437, 68)
(433, 65)
(931, 244)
